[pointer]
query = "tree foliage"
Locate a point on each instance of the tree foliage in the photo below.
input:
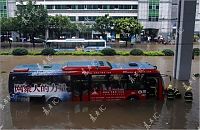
(59, 23)
(122, 25)
(127, 25)
(103, 24)
(31, 18)
(83, 28)
(8, 24)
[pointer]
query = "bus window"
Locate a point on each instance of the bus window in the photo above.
(134, 82)
(115, 81)
(99, 82)
(96, 44)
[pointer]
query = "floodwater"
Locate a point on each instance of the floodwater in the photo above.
(151, 113)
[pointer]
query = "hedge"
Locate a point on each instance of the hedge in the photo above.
(48, 51)
(196, 51)
(20, 51)
(108, 52)
(154, 53)
(168, 52)
(136, 52)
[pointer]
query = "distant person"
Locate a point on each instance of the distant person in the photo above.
(10, 41)
(148, 38)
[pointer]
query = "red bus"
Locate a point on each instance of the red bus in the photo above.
(88, 81)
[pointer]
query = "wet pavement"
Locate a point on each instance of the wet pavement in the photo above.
(150, 113)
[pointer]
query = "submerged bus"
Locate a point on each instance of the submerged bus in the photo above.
(73, 44)
(86, 81)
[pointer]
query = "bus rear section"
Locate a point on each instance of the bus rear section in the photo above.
(38, 85)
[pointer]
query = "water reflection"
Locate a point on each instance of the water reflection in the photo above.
(120, 114)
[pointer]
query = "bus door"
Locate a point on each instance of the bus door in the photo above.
(99, 91)
(153, 85)
(115, 88)
(106, 87)
(80, 88)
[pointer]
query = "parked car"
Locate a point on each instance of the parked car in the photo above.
(37, 40)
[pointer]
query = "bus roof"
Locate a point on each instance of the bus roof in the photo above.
(91, 67)
(67, 40)
(75, 40)
(37, 67)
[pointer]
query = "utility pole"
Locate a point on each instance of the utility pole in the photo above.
(184, 39)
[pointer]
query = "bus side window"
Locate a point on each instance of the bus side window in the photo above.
(99, 82)
(115, 81)
(134, 82)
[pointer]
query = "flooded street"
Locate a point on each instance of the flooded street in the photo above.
(176, 114)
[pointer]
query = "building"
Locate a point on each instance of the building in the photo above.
(3, 8)
(157, 16)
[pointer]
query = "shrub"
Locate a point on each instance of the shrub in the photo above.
(123, 53)
(93, 53)
(79, 53)
(48, 51)
(108, 52)
(34, 53)
(20, 51)
(196, 38)
(5, 53)
(63, 53)
(154, 53)
(136, 52)
(196, 51)
(168, 52)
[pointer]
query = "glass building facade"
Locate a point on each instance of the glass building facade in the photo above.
(3, 8)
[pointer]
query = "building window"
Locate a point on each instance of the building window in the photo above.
(112, 7)
(105, 6)
(72, 18)
(80, 6)
(86, 18)
(95, 6)
(153, 10)
(57, 6)
(81, 18)
(127, 6)
(74, 7)
(89, 6)
(116, 7)
(49, 6)
(100, 7)
(134, 6)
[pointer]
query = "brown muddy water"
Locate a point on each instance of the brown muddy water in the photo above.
(176, 114)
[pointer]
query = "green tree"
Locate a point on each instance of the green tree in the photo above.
(103, 24)
(83, 29)
(31, 19)
(7, 25)
(59, 23)
(127, 27)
